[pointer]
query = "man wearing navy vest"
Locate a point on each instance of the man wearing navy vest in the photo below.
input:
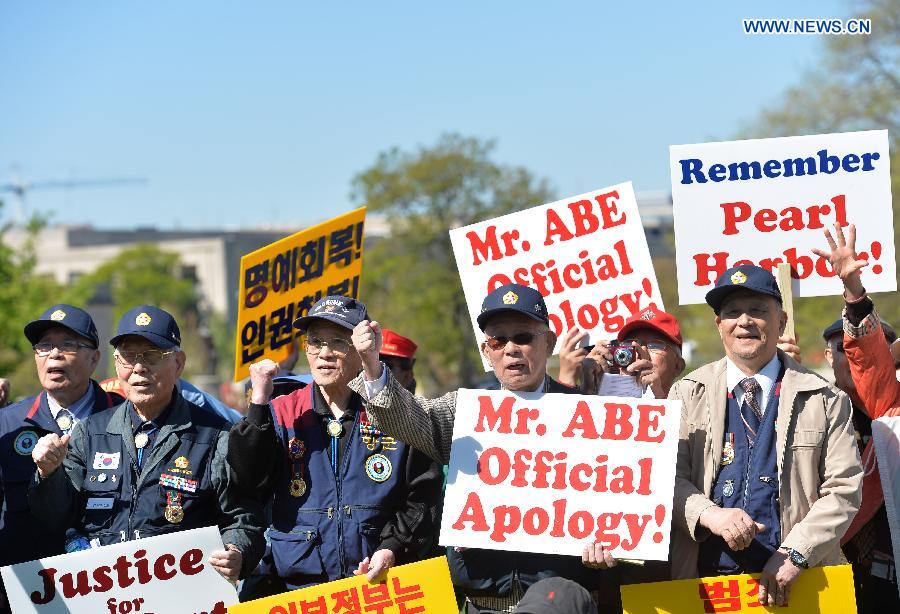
(348, 499)
(154, 464)
(518, 343)
(65, 353)
(768, 475)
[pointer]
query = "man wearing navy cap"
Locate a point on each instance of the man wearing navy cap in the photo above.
(157, 451)
(518, 342)
(768, 475)
(346, 497)
(65, 355)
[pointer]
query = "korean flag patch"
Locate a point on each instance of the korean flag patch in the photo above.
(106, 460)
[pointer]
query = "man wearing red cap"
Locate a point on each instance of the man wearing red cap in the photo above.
(397, 354)
(656, 339)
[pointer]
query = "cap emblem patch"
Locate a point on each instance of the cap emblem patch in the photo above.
(510, 298)
(143, 319)
(57, 315)
(648, 315)
(738, 278)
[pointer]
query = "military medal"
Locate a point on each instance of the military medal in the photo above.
(141, 440)
(335, 429)
(379, 467)
(174, 510)
(296, 450)
(728, 489)
(369, 435)
(64, 421)
(728, 450)
(298, 487)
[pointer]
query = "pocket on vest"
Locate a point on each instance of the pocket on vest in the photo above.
(100, 502)
(371, 537)
(297, 553)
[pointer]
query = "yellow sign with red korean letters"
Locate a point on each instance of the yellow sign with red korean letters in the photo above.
(282, 281)
(826, 590)
(417, 588)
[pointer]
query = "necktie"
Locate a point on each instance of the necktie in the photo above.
(752, 394)
(142, 440)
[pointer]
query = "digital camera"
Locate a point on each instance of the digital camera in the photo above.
(622, 354)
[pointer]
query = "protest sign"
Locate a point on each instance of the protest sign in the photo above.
(407, 589)
(587, 255)
(282, 281)
(154, 575)
(549, 473)
(826, 590)
(767, 201)
(886, 433)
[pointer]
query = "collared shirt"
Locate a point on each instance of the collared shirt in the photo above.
(765, 377)
(80, 409)
(157, 423)
(323, 411)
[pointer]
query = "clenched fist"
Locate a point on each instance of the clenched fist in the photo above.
(49, 453)
(367, 341)
(261, 375)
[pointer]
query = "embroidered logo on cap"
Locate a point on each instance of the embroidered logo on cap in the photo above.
(143, 319)
(510, 298)
(648, 315)
(57, 315)
(738, 278)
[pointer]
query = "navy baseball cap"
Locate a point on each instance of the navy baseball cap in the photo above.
(838, 327)
(152, 323)
(514, 297)
(76, 320)
(556, 596)
(342, 310)
(744, 277)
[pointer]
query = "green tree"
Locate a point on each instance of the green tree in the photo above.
(410, 281)
(855, 86)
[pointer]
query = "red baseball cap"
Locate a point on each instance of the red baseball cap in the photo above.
(393, 344)
(655, 319)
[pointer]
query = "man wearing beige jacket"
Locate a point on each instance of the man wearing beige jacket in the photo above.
(768, 475)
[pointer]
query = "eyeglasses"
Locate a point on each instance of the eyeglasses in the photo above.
(338, 345)
(148, 358)
(44, 348)
(500, 341)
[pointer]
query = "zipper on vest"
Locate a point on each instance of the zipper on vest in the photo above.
(348, 509)
(124, 535)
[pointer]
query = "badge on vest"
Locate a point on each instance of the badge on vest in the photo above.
(100, 503)
(174, 508)
(177, 482)
(296, 450)
(728, 450)
(106, 460)
(378, 467)
(728, 489)
(25, 442)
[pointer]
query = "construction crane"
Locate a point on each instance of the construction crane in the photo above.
(19, 188)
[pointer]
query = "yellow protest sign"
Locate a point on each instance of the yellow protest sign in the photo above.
(827, 590)
(408, 589)
(282, 281)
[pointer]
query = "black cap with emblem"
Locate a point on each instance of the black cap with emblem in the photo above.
(75, 319)
(152, 323)
(513, 297)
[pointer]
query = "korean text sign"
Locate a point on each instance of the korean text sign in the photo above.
(282, 281)
(548, 473)
(767, 201)
(417, 588)
(587, 255)
(826, 590)
(154, 575)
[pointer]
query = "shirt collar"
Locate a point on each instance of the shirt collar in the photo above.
(158, 422)
(80, 409)
(320, 406)
(765, 377)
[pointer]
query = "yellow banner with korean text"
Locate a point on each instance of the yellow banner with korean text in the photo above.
(422, 587)
(282, 281)
(826, 590)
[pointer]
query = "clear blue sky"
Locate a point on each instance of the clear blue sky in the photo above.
(247, 113)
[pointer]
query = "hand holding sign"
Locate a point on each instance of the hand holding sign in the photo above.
(380, 562)
(367, 341)
(776, 580)
(49, 453)
(845, 261)
(261, 375)
(227, 562)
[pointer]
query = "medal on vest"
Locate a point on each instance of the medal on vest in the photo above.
(298, 487)
(728, 489)
(64, 422)
(378, 467)
(141, 440)
(296, 450)
(369, 435)
(335, 428)
(174, 509)
(728, 450)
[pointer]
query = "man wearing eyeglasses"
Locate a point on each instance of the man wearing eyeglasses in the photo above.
(346, 497)
(65, 355)
(152, 465)
(518, 343)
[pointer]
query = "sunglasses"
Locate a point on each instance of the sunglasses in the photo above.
(500, 341)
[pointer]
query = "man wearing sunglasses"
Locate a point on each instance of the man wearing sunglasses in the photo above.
(153, 465)
(518, 342)
(346, 497)
(859, 353)
(65, 354)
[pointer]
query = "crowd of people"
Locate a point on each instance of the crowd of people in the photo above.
(344, 475)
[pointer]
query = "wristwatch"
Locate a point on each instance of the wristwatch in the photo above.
(796, 558)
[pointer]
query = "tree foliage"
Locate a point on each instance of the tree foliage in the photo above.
(410, 282)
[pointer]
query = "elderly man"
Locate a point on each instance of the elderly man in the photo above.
(65, 355)
(768, 475)
(859, 352)
(152, 465)
(518, 342)
(398, 354)
(348, 499)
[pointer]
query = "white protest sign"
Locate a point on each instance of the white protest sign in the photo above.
(549, 473)
(587, 255)
(155, 575)
(767, 201)
(886, 433)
